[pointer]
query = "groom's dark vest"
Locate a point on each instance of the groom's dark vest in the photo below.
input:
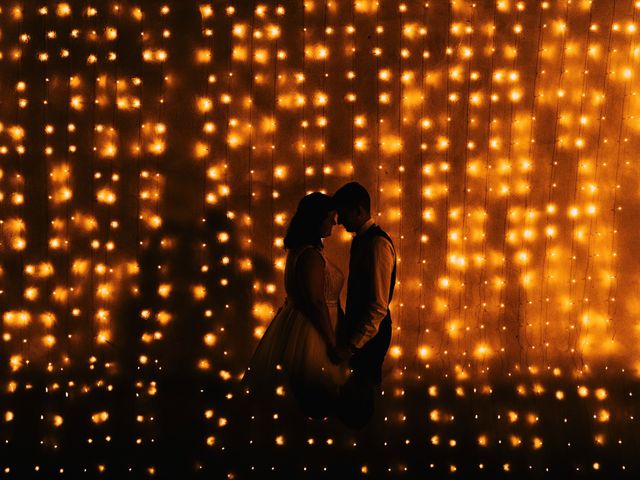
(360, 287)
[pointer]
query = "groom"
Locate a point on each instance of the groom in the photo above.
(365, 334)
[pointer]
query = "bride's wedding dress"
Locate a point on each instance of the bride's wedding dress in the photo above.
(292, 345)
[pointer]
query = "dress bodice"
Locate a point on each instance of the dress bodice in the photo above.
(334, 278)
(333, 281)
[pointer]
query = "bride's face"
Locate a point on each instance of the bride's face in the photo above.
(328, 223)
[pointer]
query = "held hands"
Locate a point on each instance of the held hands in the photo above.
(331, 348)
(340, 353)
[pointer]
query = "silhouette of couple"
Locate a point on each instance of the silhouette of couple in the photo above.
(332, 358)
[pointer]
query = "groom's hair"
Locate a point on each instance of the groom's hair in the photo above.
(353, 195)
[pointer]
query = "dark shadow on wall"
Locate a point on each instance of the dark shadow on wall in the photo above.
(186, 368)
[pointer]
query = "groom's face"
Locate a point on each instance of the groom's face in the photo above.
(349, 218)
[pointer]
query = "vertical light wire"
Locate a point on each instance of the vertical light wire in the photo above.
(530, 157)
(572, 255)
(3, 246)
(45, 170)
(544, 299)
(163, 26)
(444, 339)
(206, 164)
(352, 104)
(227, 112)
(250, 154)
(462, 276)
(421, 305)
(273, 148)
(21, 184)
(594, 220)
(322, 87)
(487, 169)
(66, 324)
(111, 159)
(613, 286)
(139, 158)
(92, 164)
(46, 187)
(377, 100)
(303, 146)
(399, 172)
(505, 224)
(140, 149)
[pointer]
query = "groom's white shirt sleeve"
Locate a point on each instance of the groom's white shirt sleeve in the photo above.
(383, 260)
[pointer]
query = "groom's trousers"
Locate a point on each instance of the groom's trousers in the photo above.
(355, 406)
(367, 361)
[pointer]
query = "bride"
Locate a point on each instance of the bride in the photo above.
(301, 336)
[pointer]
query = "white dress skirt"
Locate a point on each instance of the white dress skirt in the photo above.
(292, 350)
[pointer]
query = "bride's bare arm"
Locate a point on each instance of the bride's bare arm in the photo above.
(311, 274)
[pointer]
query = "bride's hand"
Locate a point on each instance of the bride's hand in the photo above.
(333, 355)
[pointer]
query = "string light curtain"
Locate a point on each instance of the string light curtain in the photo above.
(152, 154)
